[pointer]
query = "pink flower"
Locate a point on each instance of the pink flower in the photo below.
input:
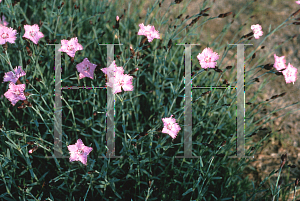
(3, 22)
(86, 69)
(279, 62)
(70, 46)
(14, 76)
(148, 31)
(207, 58)
(170, 127)
(123, 81)
(290, 74)
(257, 30)
(112, 69)
(33, 33)
(79, 152)
(15, 93)
(30, 151)
(298, 2)
(7, 34)
(117, 18)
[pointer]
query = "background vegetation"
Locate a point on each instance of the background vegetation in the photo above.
(148, 169)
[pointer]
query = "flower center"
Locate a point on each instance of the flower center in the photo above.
(86, 68)
(80, 151)
(121, 82)
(169, 126)
(70, 47)
(17, 92)
(207, 59)
(4, 35)
(289, 73)
(32, 33)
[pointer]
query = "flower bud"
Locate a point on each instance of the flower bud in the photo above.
(283, 160)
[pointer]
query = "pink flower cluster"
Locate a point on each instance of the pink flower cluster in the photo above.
(85, 68)
(7, 34)
(257, 31)
(290, 72)
(120, 80)
(78, 151)
(15, 92)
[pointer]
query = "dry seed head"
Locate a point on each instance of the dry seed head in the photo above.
(268, 66)
(283, 160)
(205, 10)
(179, 16)
(295, 13)
(178, 1)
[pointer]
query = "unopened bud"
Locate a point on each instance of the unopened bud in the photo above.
(283, 160)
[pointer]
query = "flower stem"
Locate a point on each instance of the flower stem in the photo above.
(277, 184)
(8, 61)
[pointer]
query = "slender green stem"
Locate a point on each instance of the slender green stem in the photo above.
(277, 191)
(57, 22)
(8, 61)
(294, 193)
